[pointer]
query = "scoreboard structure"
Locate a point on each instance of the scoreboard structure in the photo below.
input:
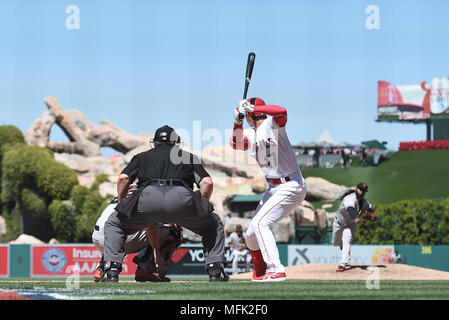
(419, 104)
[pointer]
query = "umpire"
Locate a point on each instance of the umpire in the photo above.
(166, 175)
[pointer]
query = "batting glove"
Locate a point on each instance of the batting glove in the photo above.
(245, 106)
(238, 119)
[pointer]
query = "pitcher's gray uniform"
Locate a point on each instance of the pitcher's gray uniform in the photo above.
(345, 225)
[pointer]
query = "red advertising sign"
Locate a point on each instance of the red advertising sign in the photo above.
(63, 260)
(4, 260)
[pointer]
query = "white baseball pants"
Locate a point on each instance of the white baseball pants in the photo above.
(342, 237)
(236, 255)
(277, 202)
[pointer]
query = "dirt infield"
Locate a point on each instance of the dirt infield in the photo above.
(358, 272)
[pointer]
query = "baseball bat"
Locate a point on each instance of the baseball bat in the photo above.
(249, 73)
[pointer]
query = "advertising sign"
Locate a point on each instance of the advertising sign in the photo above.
(363, 254)
(412, 102)
(63, 260)
(4, 260)
(189, 260)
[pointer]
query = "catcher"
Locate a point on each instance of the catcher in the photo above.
(353, 207)
(170, 238)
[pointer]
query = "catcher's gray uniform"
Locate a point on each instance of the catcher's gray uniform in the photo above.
(345, 225)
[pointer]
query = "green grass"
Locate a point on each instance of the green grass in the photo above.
(407, 175)
(201, 289)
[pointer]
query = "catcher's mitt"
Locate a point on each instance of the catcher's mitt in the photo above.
(170, 238)
(369, 215)
(242, 247)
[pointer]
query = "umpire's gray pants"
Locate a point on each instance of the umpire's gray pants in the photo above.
(165, 204)
(134, 242)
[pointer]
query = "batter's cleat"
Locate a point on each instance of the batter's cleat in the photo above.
(341, 268)
(271, 277)
(144, 276)
(112, 270)
(216, 272)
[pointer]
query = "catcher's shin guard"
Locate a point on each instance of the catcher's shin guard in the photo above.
(260, 267)
(99, 270)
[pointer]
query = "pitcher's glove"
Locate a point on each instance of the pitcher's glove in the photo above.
(369, 215)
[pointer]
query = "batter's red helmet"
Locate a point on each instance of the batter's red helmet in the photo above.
(256, 102)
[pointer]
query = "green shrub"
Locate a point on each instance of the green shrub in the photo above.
(32, 202)
(62, 220)
(89, 205)
(78, 196)
(34, 167)
(91, 210)
(407, 222)
(102, 177)
(13, 220)
(10, 135)
(94, 205)
(35, 183)
(31, 180)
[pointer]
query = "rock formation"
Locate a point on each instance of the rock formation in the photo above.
(318, 189)
(85, 137)
(26, 239)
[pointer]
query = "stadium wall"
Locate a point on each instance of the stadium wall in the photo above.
(65, 259)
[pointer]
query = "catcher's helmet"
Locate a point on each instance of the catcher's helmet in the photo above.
(257, 102)
(166, 134)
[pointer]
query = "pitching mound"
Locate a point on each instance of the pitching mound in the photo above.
(357, 272)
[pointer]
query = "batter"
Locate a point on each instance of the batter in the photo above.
(267, 141)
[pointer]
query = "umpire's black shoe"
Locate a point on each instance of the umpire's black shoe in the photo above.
(111, 272)
(216, 272)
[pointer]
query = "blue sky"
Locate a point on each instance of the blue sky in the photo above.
(143, 64)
